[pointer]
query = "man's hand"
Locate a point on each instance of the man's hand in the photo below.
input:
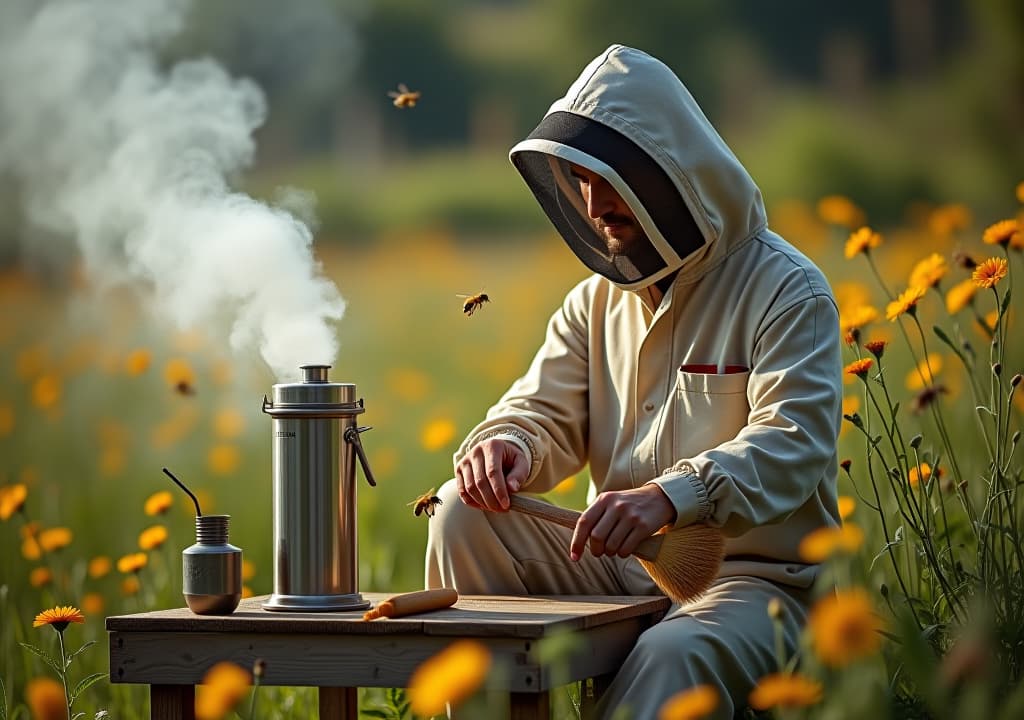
(619, 520)
(489, 472)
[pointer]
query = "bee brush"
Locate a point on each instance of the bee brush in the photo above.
(683, 562)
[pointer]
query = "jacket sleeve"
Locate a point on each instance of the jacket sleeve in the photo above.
(778, 459)
(545, 412)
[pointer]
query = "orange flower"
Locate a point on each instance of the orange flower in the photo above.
(138, 361)
(857, 318)
(158, 503)
(947, 219)
(1000, 233)
(566, 486)
(846, 506)
(905, 303)
(59, 617)
(988, 273)
(99, 566)
(223, 459)
(6, 419)
(451, 676)
(12, 499)
(93, 603)
(785, 690)
(437, 434)
(46, 391)
(1020, 192)
(839, 210)
(45, 699)
(922, 473)
(152, 537)
(960, 295)
(248, 570)
(39, 577)
(54, 539)
(132, 562)
(180, 375)
(223, 687)
(844, 627)
(409, 384)
(696, 702)
(130, 586)
(859, 367)
(228, 424)
(876, 348)
(924, 374)
(929, 272)
(861, 241)
(821, 544)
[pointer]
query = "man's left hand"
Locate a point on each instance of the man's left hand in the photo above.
(619, 520)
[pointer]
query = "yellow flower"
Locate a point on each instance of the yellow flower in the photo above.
(158, 503)
(928, 272)
(409, 384)
(130, 586)
(30, 548)
(857, 318)
(861, 241)
(133, 562)
(46, 391)
(223, 459)
(960, 295)
(785, 690)
(54, 539)
(99, 566)
(839, 210)
(1020, 192)
(922, 473)
(844, 627)
(228, 424)
(179, 374)
(947, 219)
(437, 434)
(846, 506)
(93, 603)
(12, 499)
(905, 303)
(451, 676)
(924, 374)
(39, 577)
(246, 592)
(1000, 233)
(45, 699)
(821, 544)
(152, 537)
(691, 704)
(138, 361)
(223, 687)
(6, 420)
(859, 367)
(248, 570)
(988, 273)
(566, 486)
(59, 617)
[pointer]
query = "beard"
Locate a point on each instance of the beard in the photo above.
(621, 233)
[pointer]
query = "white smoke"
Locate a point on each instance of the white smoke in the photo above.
(133, 161)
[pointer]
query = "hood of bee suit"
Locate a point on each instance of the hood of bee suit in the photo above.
(629, 119)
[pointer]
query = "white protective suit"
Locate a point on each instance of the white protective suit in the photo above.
(727, 393)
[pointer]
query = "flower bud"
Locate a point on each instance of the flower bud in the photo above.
(1016, 438)
(1015, 380)
(915, 442)
(845, 465)
(997, 369)
(259, 667)
(884, 589)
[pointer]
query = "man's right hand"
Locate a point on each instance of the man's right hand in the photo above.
(489, 472)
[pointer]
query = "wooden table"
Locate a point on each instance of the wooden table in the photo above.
(337, 652)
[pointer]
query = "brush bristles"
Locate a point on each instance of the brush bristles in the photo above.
(688, 562)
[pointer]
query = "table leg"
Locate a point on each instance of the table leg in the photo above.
(530, 706)
(589, 699)
(168, 702)
(339, 703)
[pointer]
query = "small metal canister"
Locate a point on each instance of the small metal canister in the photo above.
(315, 446)
(212, 569)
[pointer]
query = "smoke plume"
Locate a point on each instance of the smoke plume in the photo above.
(133, 161)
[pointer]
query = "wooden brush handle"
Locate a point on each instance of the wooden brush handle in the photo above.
(647, 549)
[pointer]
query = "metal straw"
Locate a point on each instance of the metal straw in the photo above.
(199, 513)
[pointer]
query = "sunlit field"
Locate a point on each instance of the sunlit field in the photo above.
(99, 394)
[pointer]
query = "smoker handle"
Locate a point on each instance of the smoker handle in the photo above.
(352, 435)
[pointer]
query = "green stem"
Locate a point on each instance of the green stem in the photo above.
(64, 671)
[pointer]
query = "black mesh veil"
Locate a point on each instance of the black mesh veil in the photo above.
(543, 160)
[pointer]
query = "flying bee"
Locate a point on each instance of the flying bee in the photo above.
(473, 303)
(404, 98)
(425, 503)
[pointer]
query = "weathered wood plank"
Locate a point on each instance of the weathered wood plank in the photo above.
(529, 706)
(338, 703)
(525, 617)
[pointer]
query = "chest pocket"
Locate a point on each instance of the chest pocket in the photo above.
(711, 408)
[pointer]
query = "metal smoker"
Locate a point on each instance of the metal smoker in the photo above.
(316, 443)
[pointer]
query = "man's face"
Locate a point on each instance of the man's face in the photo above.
(609, 213)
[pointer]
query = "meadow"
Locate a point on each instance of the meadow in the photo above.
(97, 396)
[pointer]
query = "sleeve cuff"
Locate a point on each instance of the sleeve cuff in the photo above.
(687, 494)
(517, 438)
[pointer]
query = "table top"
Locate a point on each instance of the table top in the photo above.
(471, 616)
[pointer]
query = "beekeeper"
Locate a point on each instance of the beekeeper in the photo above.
(697, 372)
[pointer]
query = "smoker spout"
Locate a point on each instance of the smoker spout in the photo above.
(314, 373)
